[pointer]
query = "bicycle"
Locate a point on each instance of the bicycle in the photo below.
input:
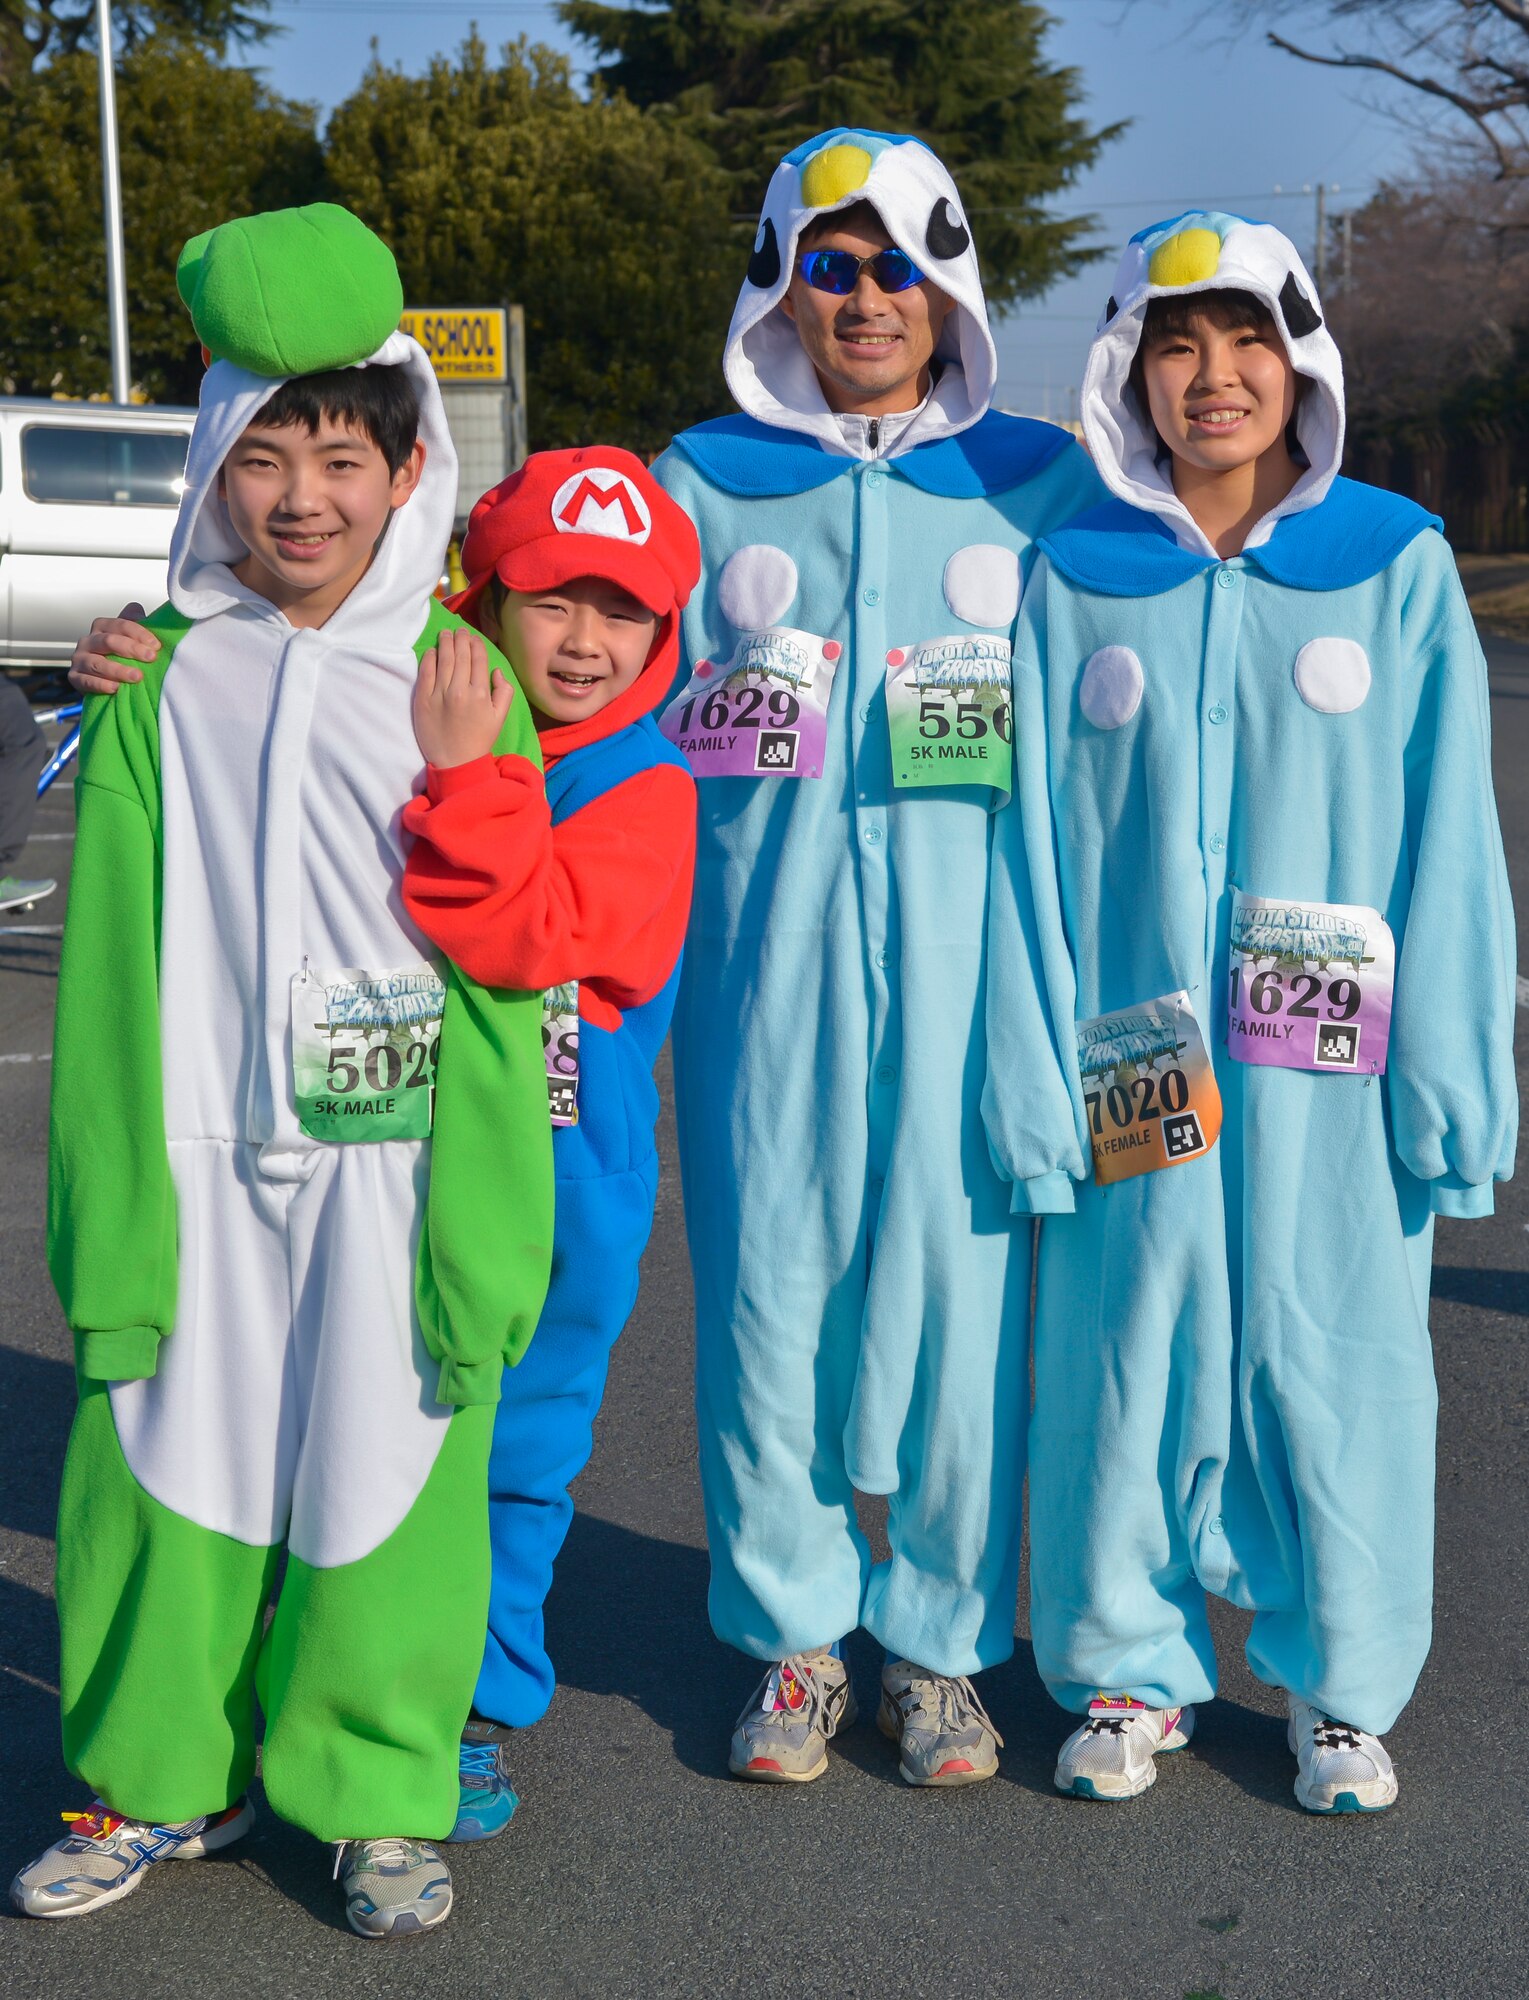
(68, 748)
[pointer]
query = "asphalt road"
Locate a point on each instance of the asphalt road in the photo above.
(636, 1867)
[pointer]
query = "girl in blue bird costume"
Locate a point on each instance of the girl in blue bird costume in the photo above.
(861, 1282)
(1284, 916)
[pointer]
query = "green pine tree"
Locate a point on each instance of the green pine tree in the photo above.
(33, 32)
(199, 143)
(752, 78)
(500, 181)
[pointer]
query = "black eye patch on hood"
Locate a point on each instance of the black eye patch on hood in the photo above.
(946, 235)
(764, 264)
(1301, 316)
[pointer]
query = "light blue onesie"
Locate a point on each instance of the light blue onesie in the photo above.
(861, 1290)
(1234, 1380)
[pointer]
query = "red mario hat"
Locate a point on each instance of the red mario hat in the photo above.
(592, 511)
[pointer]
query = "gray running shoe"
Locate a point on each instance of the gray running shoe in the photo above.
(940, 1726)
(782, 1736)
(393, 1888)
(18, 895)
(104, 1857)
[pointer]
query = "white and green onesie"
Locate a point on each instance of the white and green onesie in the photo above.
(281, 1338)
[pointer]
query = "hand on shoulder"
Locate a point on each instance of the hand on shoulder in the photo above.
(459, 703)
(92, 667)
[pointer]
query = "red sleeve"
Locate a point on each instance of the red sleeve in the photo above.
(516, 902)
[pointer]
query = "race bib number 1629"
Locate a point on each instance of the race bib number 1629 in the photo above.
(1310, 985)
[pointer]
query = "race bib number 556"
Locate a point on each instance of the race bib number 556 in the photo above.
(949, 712)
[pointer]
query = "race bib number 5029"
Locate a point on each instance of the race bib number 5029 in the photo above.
(364, 1052)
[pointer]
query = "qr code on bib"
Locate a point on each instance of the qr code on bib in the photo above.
(1182, 1135)
(1338, 1046)
(776, 750)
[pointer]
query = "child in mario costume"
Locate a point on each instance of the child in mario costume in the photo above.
(1287, 914)
(580, 565)
(300, 1177)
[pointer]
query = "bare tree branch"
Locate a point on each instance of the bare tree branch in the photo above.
(1477, 109)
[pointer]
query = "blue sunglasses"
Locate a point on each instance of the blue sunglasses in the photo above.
(838, 271)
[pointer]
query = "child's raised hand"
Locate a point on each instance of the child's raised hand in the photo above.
(459, 707)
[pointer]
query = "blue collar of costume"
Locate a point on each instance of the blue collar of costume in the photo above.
(1350, 536)
(742, 455)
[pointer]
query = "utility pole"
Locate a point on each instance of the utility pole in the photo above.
(111, 206)
(1321, 270)
(1348, 248)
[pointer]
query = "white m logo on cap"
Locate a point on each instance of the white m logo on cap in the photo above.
(601, 502)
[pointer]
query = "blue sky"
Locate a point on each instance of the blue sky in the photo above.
(1216, 120)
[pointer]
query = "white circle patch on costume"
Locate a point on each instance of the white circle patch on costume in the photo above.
(601, 501)
(757, 587)
(982, 584)
(1332, 675)
(1112, 687)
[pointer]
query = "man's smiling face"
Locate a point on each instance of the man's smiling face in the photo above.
(871, 348)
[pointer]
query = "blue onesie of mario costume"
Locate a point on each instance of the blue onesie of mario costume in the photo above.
(1286, 910)
(582, 890)
(861, 1284)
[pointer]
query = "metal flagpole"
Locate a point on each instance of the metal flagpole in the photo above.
(111, 190)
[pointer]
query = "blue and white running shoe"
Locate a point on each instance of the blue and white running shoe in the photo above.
(104, 1857)
(486, 1802)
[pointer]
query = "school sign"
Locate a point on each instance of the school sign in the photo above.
(464, 343)
(479, 357)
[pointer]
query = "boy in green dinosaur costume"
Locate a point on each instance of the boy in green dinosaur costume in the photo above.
(300, 1189)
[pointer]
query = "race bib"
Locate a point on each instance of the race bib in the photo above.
(949, 712)
(1148, 1088)
(364, 1053)
(1310, 985)
(560, 1048)
(762, 715)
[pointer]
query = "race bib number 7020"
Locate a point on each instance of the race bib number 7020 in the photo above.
(1148, 1088)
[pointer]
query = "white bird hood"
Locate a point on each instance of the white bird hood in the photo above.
(383, 611)
(1201, 251)
(911, 190)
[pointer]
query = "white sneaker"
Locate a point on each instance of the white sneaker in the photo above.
(1111, 1756)
(1338, 1769)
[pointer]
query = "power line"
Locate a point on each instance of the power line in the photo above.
(1170, 204)
(373, 7)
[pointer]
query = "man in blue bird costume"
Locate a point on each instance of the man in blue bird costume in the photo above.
(1285, 918)
(861, 1271)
